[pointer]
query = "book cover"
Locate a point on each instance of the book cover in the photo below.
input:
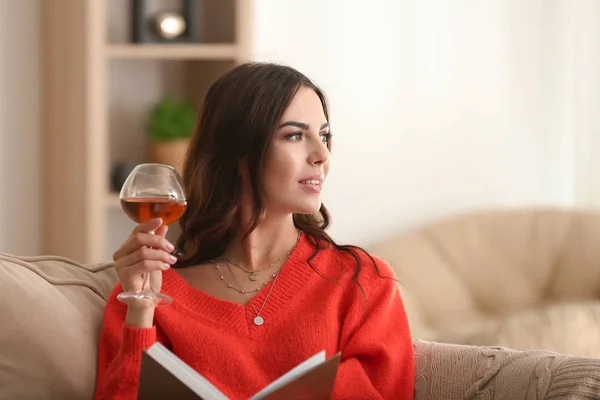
(163, 375)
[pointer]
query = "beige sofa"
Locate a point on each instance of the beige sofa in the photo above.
(51, 316)
(524, 279)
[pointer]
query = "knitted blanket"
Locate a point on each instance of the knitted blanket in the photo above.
(448, 372)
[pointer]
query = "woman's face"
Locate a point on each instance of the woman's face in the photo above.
(297, 164)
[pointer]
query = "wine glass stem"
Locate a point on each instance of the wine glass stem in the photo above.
(146, 285)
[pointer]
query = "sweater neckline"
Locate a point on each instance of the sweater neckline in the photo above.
(291, 278)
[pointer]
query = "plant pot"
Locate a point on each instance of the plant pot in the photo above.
(170, 152)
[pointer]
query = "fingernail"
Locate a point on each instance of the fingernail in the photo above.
(170, 247)
(173, 259)
(167, 266)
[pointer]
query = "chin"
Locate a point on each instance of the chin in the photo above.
(307, 208)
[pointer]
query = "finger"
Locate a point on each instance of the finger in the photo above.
(138, 240)
(147, 254)
(143, 267)
(148, 226)
(162, 231)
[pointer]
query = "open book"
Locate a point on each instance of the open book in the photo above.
(164, 376)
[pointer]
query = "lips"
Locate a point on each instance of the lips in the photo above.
(313, 183)
(313, 180)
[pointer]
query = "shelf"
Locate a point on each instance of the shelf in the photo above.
(112, 200)
(99, 122)
(173, 51)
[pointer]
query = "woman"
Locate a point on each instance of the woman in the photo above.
(257, 285)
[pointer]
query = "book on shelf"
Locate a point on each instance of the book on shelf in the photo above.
(164, 375)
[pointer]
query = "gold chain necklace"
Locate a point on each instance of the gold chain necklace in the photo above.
(253, 274)
(258, 320)
(241, 289)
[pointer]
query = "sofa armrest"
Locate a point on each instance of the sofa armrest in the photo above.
(449, 371)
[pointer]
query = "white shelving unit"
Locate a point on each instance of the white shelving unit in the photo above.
(98, 89)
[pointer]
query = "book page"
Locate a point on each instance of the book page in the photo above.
(292, 374)
(186, 374)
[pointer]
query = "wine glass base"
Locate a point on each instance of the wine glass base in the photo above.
(145, 298)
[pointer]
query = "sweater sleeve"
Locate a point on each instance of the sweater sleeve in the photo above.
(377, 357)
(120, 353)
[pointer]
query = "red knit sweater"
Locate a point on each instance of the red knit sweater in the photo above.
(304, 314)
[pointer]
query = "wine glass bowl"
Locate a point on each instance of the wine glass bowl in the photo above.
(152, 191)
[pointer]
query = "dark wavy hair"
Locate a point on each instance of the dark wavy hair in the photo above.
(238, 120)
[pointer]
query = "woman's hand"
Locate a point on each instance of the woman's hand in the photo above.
(143, 252)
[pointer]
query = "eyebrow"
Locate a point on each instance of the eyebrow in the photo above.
(301, 125)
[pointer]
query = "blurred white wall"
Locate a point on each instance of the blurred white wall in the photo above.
(580, 95)
(443, 106)
(20, 124)
(438, 106)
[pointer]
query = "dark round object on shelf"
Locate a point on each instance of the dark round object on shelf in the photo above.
(180, 25)
(169, 25)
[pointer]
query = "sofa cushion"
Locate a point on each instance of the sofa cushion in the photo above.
(491, 271)
(568, 328)
(51, 307)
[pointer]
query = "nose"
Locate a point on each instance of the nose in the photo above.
(319, 153)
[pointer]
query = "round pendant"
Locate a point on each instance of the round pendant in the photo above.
(258, 320)
(253, 276)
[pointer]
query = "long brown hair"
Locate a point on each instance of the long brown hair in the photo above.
(238, 120)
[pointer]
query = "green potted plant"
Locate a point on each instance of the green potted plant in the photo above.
(170, 126)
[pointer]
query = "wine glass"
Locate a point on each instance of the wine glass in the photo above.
(152, 191)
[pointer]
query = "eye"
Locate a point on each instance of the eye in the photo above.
(326, 137)
(294, 137)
